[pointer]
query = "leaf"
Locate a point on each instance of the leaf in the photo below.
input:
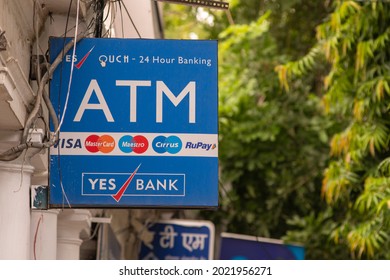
(384, 166)
(380, 90)
(282, 74)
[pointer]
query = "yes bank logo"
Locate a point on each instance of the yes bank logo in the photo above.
(118, 186)
(171, 144)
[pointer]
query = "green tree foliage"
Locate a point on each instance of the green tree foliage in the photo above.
(273, 146)
(355, 41)
(180, 22)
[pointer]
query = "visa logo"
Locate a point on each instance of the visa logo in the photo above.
(69, 143)
(143, 184)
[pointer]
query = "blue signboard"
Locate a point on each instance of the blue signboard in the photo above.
(140, 124)
(180, 240)
(244, 247)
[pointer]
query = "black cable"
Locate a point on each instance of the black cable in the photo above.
(104, 20)
(159, 20)
(90, 26)
(122, 29)
(99, 18)
(108, 12)
(131, 19)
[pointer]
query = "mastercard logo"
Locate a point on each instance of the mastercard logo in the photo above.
(95, 143)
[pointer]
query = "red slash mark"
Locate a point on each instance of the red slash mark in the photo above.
(81, 62)
(122, 189)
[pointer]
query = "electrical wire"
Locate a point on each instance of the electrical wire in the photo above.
(63, 54)
(122, 27)
(68, 94)
(131, 19)
(39, 68)
(22, 172)
(95, 231)
(16, 151)
(71, 68)
(36, 236)
(57, 136)
(34, 113)
(100, 4)
(35, 23)
(111, 11)
(102, 17)
(108, 12)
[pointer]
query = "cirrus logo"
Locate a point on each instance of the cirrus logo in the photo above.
(137, 144)
(171, 144)
(95, 143)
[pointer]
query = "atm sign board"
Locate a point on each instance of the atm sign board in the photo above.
(140, 124)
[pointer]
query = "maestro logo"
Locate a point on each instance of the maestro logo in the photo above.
(104, 144)
(137, 144)
(171, 144)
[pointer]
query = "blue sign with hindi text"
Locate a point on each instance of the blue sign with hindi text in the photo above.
(180, 240)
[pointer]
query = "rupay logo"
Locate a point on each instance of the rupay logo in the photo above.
(200, 145)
